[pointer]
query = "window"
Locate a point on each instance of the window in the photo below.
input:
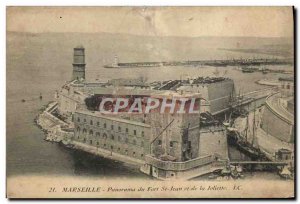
(104, 125)
(159, 142)
(98, 124)
(91, 132)
(119, 128)
(104, 135)
(104, 145)
(97, 134)
(91, 141)
(112, 137)
(84, 131)
(78, 129)
(84, 120)
(288, 86)
(133, 153)
(91, 122)
(126, 130)
(97, 143)
(119, 149)
(142, 133)
(111, 147)
(134, 132)
(78, 119)
(134, 142)
(112, 127)
(84, 140)
(171, 144)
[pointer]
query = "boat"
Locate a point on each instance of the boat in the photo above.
(285, 173)
(226, 171)
(247, 70)
(236, 172)
(241, 140)
(264, 70)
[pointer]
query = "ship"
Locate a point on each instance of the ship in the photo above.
(264, 70)
(245, 140)
(247, 70)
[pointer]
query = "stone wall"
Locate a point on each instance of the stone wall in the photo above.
(219, 95)
(291, 106)
(166, 132)
(213, 142)
(274, 125)
(126, 138)
(69, 98)
(194, 141)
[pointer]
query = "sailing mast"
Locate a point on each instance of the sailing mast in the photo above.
(246, 129)
(253, 136)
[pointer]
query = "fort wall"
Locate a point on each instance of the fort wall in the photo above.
(219, 95)
(213, 141)
(276, 126)
(112, 134)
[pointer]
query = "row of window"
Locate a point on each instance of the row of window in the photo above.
(112, 137)
(111, 147)
(111, 127)
(287, 86)
(159, 142)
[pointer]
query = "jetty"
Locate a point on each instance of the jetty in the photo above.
(215, 63)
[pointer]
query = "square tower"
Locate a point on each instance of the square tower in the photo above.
(79, 63)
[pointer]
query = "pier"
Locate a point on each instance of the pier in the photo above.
(216, 63)
(272, 163)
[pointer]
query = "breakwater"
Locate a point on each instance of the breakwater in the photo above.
(216, 63)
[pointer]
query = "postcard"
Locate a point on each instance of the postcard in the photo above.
(150, 102)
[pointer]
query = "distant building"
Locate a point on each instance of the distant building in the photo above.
(286, 86)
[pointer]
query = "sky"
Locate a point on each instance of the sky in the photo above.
(155, 21)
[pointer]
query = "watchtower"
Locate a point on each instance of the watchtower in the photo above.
(79, 63)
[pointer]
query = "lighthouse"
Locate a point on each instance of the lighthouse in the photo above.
(79, 63)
